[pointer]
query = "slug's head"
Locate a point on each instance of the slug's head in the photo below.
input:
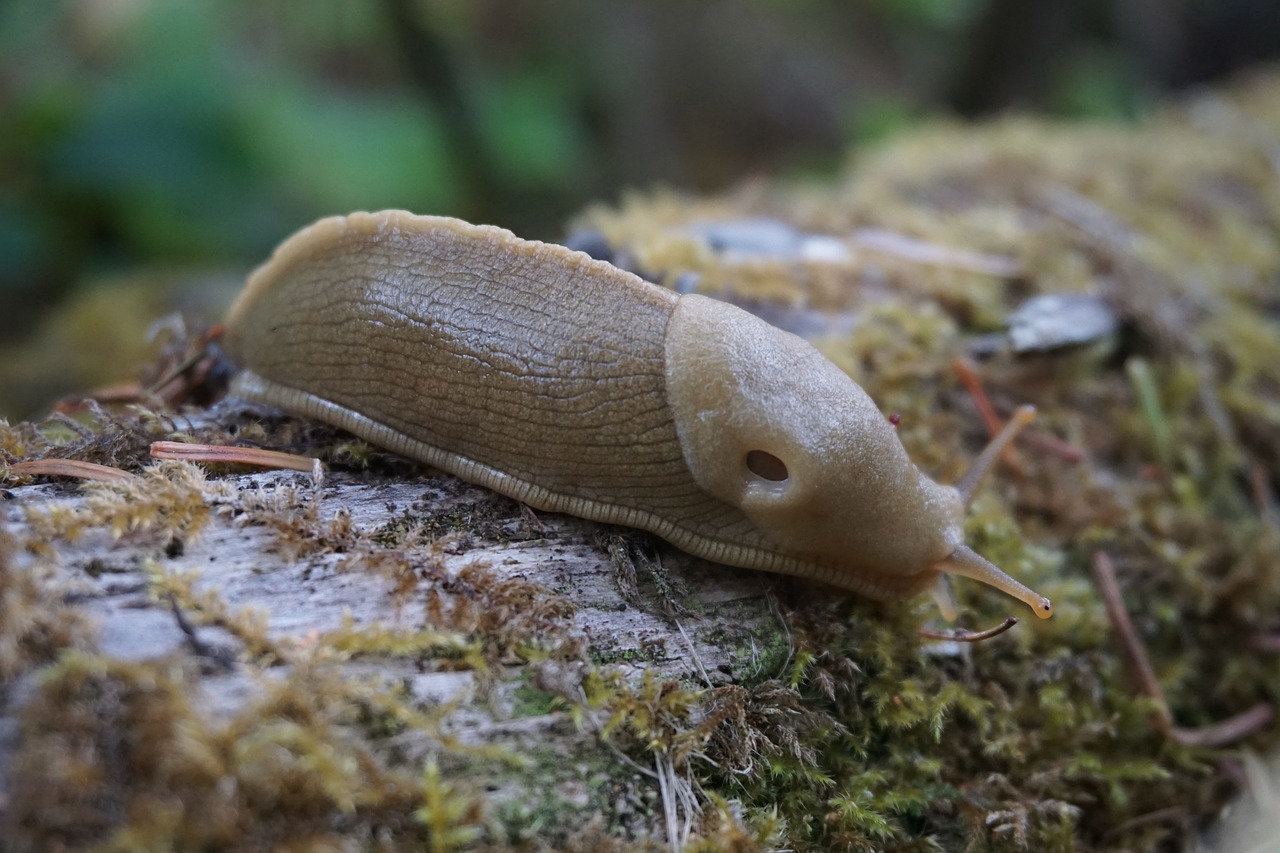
(768, 425)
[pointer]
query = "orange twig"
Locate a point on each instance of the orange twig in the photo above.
(72, 468)
(238, 455)
(967, 373)
(1045, 442)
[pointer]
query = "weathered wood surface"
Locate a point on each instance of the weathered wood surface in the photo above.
(242, 561)
(714, 627)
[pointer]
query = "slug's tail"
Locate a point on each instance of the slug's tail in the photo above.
(966, 562)
(982, 465)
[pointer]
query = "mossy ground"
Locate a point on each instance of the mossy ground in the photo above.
(840, 728)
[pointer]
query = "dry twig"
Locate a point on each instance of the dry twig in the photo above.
(1135, 655)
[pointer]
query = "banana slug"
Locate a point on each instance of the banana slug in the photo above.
(576, 387)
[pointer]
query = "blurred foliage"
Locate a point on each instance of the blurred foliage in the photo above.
(195, 135)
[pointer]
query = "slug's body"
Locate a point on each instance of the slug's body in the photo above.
(576, 387)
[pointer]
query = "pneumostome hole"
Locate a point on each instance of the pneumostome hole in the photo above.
(767, 466)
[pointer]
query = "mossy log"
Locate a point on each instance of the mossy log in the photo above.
(405, 622)
(387, 658)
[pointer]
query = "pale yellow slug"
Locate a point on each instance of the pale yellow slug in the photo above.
(573, 386)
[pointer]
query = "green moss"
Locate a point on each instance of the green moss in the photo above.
(380, 640)
(1174, 223)
(843, 729)
(453, 819)
(529, 701)
(651, 653)
(114, 753)
(758, 656)
(565, 791)
(36, 622)
(893, 741)
(167, 504)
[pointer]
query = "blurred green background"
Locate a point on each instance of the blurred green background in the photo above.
(152, 151)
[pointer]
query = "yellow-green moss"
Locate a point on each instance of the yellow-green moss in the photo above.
(36, 623)
(114, 754)
(846, 731)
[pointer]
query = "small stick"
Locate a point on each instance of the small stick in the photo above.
(72, 424)
(224, 658)
(190, 361)
(128, 393)
(1267, 642)
(238, 455)
(531, 518)
(1263, 499)
(1135, 654)
(1051, 444)
(960, 635)
(72, 468)
(1170, 814)
(1229, 730)
(1131, 647)
(175, 375)
(967, 372)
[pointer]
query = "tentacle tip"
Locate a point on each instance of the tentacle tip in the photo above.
(1043, 608)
